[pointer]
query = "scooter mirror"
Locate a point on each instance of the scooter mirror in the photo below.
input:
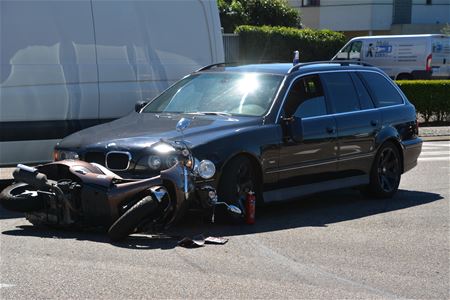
(234, 210)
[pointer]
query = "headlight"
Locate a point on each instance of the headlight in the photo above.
(171, 161)
(206, 169)
(62, 154)
(154, 162)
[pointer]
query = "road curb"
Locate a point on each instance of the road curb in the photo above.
(441, 138)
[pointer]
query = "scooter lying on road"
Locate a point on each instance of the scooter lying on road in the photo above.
(74, 193)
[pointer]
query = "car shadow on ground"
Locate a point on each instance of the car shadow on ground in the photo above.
(318, 210)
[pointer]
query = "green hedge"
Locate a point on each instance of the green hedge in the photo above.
(277, 44)
(430, 97)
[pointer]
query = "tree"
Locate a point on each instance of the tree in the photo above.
(446, 29)
(257, 12)
(232, 14)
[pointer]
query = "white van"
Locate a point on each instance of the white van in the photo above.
(421, 56)
(66, 65)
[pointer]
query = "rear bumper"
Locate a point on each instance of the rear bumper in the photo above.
(411, 152)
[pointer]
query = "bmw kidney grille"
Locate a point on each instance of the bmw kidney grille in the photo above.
(118, 160)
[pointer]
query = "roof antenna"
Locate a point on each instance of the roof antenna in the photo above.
(296, 57)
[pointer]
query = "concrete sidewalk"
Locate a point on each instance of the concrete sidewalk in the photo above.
(439, 133)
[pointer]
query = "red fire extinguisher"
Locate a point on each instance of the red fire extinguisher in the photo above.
(250, 205)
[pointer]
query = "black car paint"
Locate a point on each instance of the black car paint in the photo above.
(335, 149)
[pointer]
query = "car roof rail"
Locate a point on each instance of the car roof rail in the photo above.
(341, 62)
(211, 66)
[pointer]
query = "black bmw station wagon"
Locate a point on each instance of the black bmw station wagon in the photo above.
(283, 131)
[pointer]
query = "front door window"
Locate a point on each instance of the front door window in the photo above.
(306, 98)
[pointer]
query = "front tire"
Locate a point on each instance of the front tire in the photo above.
(386, 172)
(126, 224)
(238, 178)
(21, 197)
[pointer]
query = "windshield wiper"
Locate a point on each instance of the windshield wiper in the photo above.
(211, 113)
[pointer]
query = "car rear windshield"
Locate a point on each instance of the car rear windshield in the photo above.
(248, 94)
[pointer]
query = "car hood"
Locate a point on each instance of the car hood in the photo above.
(138, 130)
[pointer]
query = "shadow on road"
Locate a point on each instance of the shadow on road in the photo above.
(319, 210)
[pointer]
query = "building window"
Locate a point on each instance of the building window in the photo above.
(310, 2)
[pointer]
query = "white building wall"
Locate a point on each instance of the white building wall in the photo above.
(363, 16)
(437, 13)
(370, 15)
(347, 15)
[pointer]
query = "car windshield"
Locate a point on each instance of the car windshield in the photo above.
(219, 93)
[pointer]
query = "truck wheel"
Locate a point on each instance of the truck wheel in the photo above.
(126, 224)
(21, 197)
(386, 172)
(404, 76)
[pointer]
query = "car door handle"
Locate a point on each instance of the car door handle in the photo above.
(331, 129)
(374, 122)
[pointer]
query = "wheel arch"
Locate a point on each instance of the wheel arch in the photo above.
(253, 159)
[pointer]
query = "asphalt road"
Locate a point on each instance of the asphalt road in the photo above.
(333, 245)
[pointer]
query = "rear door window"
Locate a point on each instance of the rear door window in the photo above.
(383, 91)
(341, 91)
(364, 98)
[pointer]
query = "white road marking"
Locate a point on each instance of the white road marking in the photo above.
(432, 145)
(431, 153)
(433, 158)
(434, 151)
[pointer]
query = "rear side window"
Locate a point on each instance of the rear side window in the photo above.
(384, 92)
(341, 91)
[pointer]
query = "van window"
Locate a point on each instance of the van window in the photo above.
(351, 51)
(306, 98)
(341, 91)
(343, 54)
(365, 100)
(355, 51)
(384, 92)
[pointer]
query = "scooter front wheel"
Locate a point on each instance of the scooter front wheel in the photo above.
(21, 197)
(126, 224)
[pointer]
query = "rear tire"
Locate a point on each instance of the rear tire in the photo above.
(385, 173)
(126, 224)
(21, 197)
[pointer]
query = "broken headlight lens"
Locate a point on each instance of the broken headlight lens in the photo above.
(206, 169)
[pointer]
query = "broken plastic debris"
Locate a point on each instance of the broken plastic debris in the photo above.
(216, 240)
(200, 241)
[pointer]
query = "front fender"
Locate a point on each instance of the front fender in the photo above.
(257, 142)
(173, 179)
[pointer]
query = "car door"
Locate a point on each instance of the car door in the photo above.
(313, 158)
(358, 122)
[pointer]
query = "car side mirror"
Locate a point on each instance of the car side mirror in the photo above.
(139, 105)
(296, 128)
